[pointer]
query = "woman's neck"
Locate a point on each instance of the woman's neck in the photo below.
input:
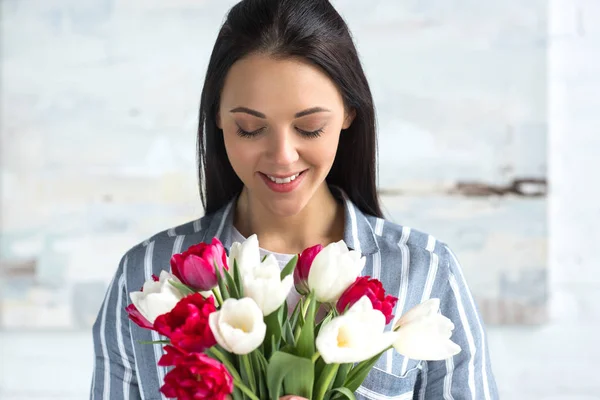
(321, 221)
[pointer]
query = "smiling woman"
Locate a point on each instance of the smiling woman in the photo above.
(287, 152)
(282, 142)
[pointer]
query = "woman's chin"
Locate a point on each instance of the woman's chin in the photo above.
(284, 207)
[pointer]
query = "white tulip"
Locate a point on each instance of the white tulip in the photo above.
(246, 254)
(424, 333)
(238, 326)
(156, 298)
(355, 336)
(264, 285)
(333, 270)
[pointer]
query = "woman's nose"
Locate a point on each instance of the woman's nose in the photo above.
(282, 149)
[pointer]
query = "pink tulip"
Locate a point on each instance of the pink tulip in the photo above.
(195, 267)
(303, 268)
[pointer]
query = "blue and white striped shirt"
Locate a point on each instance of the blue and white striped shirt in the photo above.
(412, 265)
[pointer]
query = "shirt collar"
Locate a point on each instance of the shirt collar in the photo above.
(358, 233)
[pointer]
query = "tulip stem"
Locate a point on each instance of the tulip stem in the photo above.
(305, 307)
(325, 381)
(218, 296)
(240, 385)
(304, 310)
(221, 357)
(315, 357)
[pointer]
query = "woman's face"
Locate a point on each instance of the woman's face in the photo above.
(281, 121)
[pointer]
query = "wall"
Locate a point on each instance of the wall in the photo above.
(555, 361)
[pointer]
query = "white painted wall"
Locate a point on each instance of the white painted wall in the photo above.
(558, 361)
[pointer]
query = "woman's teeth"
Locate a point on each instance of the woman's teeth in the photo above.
(283, 180)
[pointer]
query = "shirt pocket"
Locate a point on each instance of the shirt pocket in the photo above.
(383, 385)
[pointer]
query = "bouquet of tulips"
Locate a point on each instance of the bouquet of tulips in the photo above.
(229, 333)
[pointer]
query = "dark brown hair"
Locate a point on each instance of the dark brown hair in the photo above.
(314, 31)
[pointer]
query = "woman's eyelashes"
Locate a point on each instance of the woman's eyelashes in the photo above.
(308, 134)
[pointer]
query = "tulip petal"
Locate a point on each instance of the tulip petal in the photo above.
(333, 270)
(246, 254)
(355, 336)
(264, 285)
(428, 307)
(156, 297)
(238, 326)
(427, 338)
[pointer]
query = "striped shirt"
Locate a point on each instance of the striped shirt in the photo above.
(412, 265)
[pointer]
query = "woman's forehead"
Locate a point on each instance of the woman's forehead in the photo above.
(290, 83)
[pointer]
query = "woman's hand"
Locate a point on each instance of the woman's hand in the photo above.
(292, 398)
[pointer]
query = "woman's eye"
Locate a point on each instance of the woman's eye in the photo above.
(247, 134)
(311, 134)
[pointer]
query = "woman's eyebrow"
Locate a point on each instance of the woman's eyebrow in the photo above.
(258, 114)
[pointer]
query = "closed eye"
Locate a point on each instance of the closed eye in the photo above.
(308, 134)
(247, 134)
(311, 134)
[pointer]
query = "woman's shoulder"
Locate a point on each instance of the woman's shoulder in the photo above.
(153, 254)
(394, 236)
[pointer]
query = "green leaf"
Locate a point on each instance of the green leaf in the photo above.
(305, 345)
(289, 267)
(247, 372)
(260, 373)
(237, 277)
(262, 361)
(237, 394)
(295, 374)
(342, 373)
(288, 335)
(319, 367)
(154, 341)
(219, 355)
(325, 320)
(184, 289)
(222, 286)
(357, 375)
(342, 392)
(273, 334)
(325, 381)
(233, 290)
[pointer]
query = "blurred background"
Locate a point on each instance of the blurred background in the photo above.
(488, 124)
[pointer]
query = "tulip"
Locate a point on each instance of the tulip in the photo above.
(194, 376)
(333, 270)
(187, 324)
(355, 336)
(156, 297)
(424, 333)
(302, 269)
(263, 284)
(246, 254)
(238, 326)
(373, 289)
(137, 317)
(195, 267)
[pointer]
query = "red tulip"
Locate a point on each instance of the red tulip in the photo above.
(195, 376)
(187, 324)
(137, 317)
(303, 268)
(195, 267)
(373, 289)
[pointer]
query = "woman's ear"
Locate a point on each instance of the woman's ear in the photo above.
(350, 115)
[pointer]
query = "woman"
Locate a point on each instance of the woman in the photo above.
(287, 146)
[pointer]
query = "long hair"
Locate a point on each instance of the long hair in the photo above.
(314, 31)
